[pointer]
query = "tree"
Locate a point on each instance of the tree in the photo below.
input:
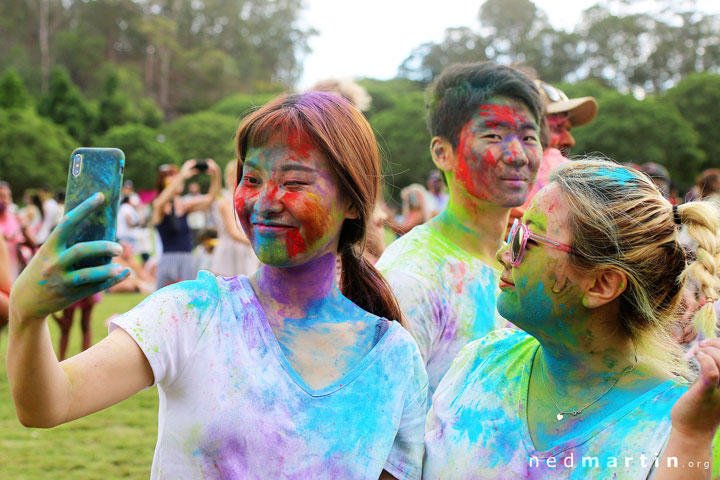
(397, 115)
(203, 135)
(639, 131)
(66, 106)
(239, 104)
(693, 97)
(115, 108)
(13, 94)
(33, 150)
(145, 149)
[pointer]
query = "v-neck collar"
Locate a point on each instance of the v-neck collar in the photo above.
(274, 345)
(562, 446)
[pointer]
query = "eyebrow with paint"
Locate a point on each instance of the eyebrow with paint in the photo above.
(510, 126)
(296, 166)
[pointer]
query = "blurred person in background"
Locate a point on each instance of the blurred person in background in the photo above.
(233, 255)
(31, 213)
(707, 185)
(50, 213)
(196, 219)
(65, 322)
(660, 176)
(169, 215)
(414, 209)
(128, 222)
(11, 228)
(438, 192)
(139, 280)
(6, 281)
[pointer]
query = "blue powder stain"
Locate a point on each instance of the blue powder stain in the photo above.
(42, 282)
(620, 175)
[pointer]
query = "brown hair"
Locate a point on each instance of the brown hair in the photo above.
(165, 170)
(341, 133)
(619, 219)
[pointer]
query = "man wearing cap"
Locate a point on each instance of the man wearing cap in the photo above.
(561, 114)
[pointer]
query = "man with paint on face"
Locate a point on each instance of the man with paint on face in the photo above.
(484, 120)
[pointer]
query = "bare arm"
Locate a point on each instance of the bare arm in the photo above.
(168, 194)
(46, 392)
(695, 419)
(203, 202)
(228, 218)
(386, 476)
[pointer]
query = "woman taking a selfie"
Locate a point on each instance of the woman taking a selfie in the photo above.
(281, 375)
(594, 274)
(169, 215)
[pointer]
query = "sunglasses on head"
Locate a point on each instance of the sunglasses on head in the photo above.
(519, 235)
(553, 94)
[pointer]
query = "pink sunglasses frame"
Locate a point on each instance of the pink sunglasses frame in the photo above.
(526, 234)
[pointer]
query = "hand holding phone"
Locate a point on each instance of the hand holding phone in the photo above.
(49, 284)
(94, 170)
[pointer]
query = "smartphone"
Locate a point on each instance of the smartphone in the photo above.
(95, 170)
(201, 166)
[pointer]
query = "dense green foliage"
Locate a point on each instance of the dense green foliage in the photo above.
(143, 149)
(66, 106)
(33, 150)
(203, 135)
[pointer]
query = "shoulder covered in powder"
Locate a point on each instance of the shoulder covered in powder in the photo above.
(497, 344)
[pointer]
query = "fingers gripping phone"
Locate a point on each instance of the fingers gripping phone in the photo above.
(95, 170)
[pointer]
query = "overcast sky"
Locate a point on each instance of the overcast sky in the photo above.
(371, 38)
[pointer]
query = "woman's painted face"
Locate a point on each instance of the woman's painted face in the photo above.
(499, 152)
(544, 286)
(289, 204)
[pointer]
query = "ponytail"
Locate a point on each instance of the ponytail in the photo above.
(366, 287)
(702, 219)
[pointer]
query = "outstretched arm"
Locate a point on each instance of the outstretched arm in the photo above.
(46, 392)
(695, 420)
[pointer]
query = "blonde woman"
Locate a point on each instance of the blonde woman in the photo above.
(594, 274)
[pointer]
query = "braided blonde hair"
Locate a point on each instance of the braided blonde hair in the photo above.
(620, 220)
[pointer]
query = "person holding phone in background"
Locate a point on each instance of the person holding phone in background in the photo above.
(169, 215)
(287, 374)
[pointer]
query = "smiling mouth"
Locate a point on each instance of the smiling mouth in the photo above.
(271, 226)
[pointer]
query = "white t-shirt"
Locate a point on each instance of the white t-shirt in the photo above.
(231, 406)
(50, 215)
(126, 229)
(477, 426)
(446, 295)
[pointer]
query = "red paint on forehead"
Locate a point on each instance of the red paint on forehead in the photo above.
(294, 243)
(502, 114)
(300, 143)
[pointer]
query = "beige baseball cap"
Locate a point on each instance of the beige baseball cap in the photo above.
(580, 111)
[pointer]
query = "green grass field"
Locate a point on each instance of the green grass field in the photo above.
(115, 443)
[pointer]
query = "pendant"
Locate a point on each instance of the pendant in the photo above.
(560, 416)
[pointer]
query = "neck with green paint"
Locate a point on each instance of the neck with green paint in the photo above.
(579, 346)
(477, 225)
